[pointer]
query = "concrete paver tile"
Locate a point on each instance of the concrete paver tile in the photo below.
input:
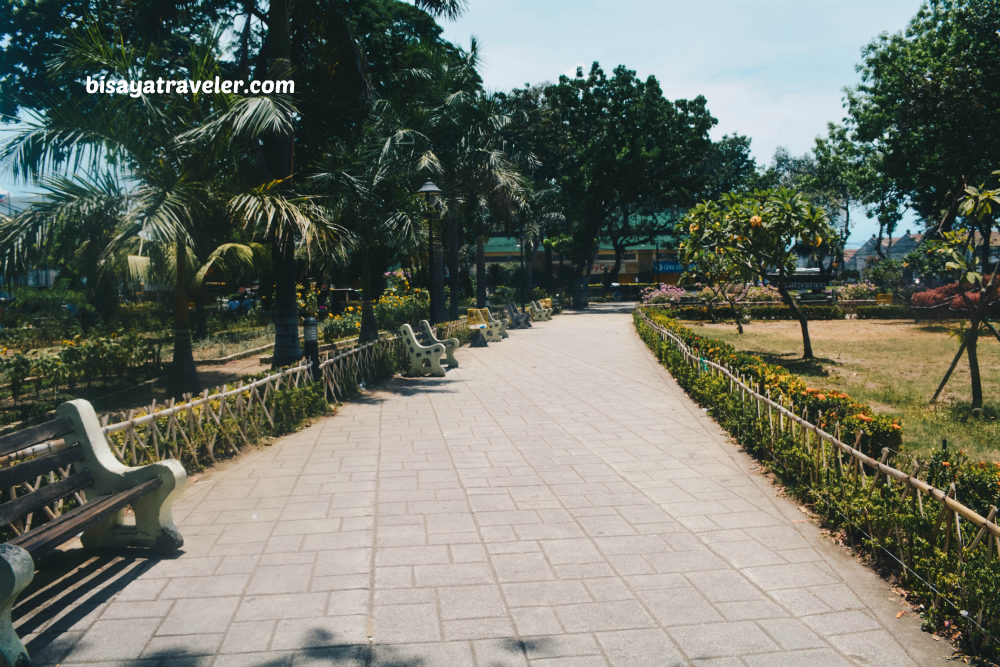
(640, 647)
(713, 640)
(593, 616)
(406, 623)
(195, 616)
(313, 632)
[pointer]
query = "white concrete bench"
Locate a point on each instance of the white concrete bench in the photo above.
(538, 313)
(68, 462)
(424, 359)
(427, 337)
(492, 331)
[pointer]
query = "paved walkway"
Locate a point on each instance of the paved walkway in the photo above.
(557, 500)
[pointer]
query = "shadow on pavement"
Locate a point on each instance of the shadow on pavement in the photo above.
(69, 586)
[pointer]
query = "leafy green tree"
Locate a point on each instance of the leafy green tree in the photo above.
(758, 232)
(928, 107)
(120, 160)
(615, 148)
(369, 190)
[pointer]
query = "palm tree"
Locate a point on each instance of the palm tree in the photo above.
(121, 161)
(313, 28)
(369, 188)
(464, 127)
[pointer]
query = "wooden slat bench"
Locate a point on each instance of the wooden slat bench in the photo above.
(424, 359)
(426, 336)
(83, 472)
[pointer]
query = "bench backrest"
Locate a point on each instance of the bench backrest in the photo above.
(32, 455)
(474, 316)
(409, 337)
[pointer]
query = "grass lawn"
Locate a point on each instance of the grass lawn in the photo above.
(893, 365)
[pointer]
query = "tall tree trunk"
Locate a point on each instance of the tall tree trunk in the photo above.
(548, 266)
(480, 271)
(200, 317)
(183, 373)
(578, 286)
(285, 309)
(972, 339)
(529, 270)
(807, 350)
(369, 327)
(454, 286)
(619, 258)
(279, 152)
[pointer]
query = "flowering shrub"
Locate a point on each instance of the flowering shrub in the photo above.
(663, 294)
(763, 293)
(392, 310)
(823, 408)
(83, 359)
(947, 294)
(854, 291)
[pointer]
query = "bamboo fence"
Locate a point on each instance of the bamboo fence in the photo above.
(825, 450)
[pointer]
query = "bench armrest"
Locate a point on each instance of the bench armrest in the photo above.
(153, 512)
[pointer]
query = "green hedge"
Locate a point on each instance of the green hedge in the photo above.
(755, 312)
(869, 512)
(894, 312)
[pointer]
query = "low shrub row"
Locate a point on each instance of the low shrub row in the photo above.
(956, 587)
(82, 360)
(755, 312)
(893, 312)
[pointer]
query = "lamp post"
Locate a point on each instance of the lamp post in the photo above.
(435, 255)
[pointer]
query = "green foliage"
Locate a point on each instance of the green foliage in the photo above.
(109, 358)
(392, 310)
(871, 513)
(293, 405)
(755, 312)
(923, 111)
(887, 274)
(756, 233)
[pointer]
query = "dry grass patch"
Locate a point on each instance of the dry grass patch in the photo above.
(893, 365)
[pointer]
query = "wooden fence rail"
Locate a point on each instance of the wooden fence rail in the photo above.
(782, 419)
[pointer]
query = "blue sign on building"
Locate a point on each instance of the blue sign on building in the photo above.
(669, 266)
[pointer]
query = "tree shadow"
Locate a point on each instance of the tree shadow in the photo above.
(790, 361)
(936, 328)
(321, 647)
